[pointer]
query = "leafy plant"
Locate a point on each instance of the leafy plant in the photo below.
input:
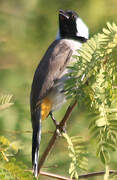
(10, 168)
(5, 101)
(77, 153)
(93, 79)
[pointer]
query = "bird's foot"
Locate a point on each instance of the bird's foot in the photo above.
(59, 129)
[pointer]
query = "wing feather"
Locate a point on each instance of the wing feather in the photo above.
(50, 68)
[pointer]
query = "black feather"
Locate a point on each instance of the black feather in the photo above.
(36, 138)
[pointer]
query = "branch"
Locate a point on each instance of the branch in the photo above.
(93, 174)
(84, 176)
(55, 135)
(56, 176)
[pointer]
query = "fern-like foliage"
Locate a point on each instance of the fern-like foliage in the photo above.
(7, 148)
(14, 170)
(10, 168)
(5, 101)
(94, 79)
(77, 153)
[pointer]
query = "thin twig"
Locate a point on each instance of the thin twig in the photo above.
(55, 135)
(56, 176)
(67, 114)
(84, 176)
(15, 132)
(23, 132)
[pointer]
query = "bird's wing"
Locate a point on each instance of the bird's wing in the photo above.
(50, 68)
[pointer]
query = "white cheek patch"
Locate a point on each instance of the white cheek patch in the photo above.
(82, 29)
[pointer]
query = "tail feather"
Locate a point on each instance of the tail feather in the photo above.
(36, 138)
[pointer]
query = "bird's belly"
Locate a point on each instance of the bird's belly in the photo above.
(57, 95)
(52, 102)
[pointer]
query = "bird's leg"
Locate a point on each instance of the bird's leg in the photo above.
(58, 128)
(53, 119)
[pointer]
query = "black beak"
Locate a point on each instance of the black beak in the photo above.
(63, 14)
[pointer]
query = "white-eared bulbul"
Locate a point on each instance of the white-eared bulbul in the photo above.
(47, 93)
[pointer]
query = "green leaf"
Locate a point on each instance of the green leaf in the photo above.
(109, 146)
(101, 122)
(5, 101)
(76, 175)
(109, 26)
(97, 61)
(113, 122)
(104, 156)
(77, 154)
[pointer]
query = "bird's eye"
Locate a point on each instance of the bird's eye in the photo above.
(73, 17)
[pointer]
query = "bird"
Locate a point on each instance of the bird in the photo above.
(47, 90)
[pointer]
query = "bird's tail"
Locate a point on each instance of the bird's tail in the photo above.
(36, 138)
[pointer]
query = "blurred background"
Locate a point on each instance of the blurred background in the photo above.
(27, 27)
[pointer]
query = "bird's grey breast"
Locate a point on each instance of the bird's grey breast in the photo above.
(57, 94)
(74, 46)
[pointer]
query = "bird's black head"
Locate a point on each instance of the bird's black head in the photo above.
(71, 26)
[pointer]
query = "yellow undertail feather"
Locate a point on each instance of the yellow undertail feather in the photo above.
(46, 107)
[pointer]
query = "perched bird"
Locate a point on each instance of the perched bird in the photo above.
(47, 93)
